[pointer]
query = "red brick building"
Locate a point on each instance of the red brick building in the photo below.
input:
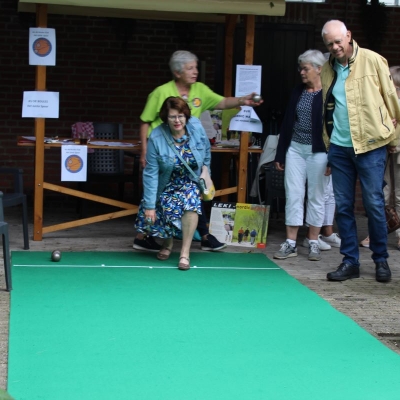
(106, 67)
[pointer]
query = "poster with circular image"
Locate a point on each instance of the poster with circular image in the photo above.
(42, 46)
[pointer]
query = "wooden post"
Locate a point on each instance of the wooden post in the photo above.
(40, 84)
(230, 25)
(244, 136)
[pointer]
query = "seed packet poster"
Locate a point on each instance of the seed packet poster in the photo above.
(239, 224)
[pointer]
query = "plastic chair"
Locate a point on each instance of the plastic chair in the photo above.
(6, 246)
(107, 166)
(274, 185)
(16, 198)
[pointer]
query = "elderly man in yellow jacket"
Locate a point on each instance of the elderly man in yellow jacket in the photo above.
(361, 111)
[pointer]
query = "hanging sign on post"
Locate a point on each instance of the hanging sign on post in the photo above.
(246, 120)
(42, 46)
(40, 104)
(74, 163)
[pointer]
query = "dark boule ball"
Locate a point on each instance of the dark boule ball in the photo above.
(56, 255)
(256, 98)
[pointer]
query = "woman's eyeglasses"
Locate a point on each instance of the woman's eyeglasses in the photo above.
(174, 117)
(305, 69)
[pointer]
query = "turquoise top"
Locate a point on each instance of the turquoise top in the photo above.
(341, 127)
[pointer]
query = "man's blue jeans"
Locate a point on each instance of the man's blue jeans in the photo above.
(369, 167)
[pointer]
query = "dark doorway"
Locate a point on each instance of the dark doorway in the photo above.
(276, 49)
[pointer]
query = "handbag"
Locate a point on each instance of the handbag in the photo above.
(204, 182)
(392, 218)
(206, 185)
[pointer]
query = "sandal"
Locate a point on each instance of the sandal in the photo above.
(164, 256)
(183, 266)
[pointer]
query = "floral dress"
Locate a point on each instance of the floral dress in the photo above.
(181, 194)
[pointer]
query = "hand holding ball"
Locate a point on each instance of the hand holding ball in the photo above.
(257, 98)
(56, 255)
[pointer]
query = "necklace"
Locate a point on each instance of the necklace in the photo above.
(181, 139)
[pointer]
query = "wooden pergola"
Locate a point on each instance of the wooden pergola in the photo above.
(222, 11)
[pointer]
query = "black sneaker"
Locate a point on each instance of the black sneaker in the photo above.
(147, 244)
(212, 244)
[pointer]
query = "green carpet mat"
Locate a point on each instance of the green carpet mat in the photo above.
(235, 328)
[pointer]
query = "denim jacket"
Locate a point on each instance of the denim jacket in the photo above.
(160, 159)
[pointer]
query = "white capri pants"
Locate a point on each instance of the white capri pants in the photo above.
(329, 203)
(301, 166)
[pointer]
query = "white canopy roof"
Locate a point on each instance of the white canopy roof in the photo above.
(189, 10)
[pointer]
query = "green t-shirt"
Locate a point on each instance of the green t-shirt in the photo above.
(201, 98)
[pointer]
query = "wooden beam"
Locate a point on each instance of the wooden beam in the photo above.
(90, 220)
(40, 84)
(244, 136)
(230, 25)
(250, 22)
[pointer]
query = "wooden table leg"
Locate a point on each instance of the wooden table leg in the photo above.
(242, 170)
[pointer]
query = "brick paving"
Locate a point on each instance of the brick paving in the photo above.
(374, 306)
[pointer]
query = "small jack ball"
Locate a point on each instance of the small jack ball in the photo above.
(256, 98)
(56, 255)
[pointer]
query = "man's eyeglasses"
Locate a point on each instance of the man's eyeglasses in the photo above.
(174, 117)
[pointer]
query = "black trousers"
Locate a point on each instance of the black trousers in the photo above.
(202, 224)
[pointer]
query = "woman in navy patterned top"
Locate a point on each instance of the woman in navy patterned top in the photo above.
(302, 154)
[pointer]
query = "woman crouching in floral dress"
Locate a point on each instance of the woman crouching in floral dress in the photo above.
(171, 197)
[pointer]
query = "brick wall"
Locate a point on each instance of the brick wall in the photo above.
(105, 69)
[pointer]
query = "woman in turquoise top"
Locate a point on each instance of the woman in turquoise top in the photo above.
(171, 198)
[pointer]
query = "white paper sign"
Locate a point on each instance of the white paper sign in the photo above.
(40, 104)
(248, 80)
(246, 120)
(207, 123)
(74, 163)
(42, 46)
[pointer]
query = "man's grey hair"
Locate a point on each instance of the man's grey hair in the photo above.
(342, 25)
(179, 59)
(314, 57)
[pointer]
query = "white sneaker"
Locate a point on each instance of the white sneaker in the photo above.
(334, 240)
(321, 244)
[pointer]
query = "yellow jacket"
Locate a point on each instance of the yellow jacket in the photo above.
(371, 101)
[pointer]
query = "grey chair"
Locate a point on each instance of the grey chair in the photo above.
(17, 197)
(107, 166)
(6, 246)
(274, 187)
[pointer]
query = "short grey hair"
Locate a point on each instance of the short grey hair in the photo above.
(395, 72)
(179, 59)
(336, 21)
(314, 57)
